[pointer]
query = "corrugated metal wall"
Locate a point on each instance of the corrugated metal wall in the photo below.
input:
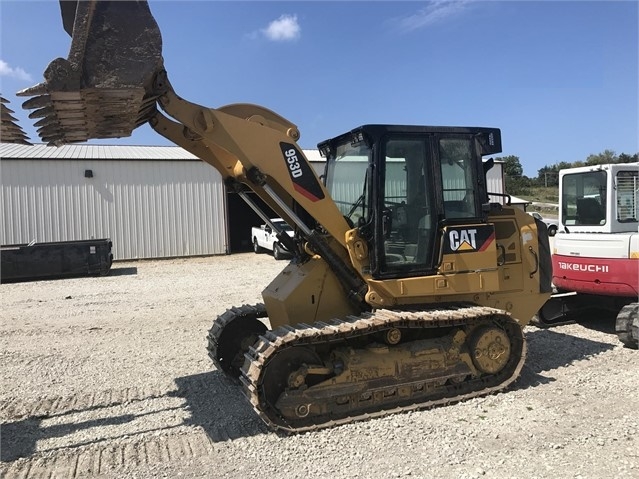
(150, 209)
(495, 182)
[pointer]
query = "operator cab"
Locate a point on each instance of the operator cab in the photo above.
(401, 185)
(600, 199)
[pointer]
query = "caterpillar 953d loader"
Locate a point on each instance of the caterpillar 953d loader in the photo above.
(407, 288)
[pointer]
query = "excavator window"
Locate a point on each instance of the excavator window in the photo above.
(584, 198)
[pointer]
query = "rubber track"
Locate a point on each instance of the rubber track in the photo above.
(273, 341)
(627, 325)
(226, 318)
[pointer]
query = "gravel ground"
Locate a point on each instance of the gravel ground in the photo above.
(109, 377)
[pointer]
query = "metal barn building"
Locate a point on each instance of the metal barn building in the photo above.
(153, 202)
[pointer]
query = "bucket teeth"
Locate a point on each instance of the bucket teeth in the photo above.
(39, 89)
(52, 137)
(49, 130)
(104, 89)
(11, 126)
(37, 102)
(42, 112)
(10, 131)
(6, 115)
(46, 121)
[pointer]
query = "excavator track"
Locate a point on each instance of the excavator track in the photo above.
(627, 326)
(293, 376)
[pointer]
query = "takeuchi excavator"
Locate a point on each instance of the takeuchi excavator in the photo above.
(407, 288)
(596, 252)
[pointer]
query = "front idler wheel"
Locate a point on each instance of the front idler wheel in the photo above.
(234, 342)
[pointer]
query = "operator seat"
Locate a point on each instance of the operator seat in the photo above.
(589, 212)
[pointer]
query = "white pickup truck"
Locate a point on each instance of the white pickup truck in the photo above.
(552, 224)
(264, 238)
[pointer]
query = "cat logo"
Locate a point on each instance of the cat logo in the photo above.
(463, 240)
(475, 239)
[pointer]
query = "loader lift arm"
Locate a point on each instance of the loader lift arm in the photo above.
(271, 164)
(96, 95)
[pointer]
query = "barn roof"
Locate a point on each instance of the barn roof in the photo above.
(104, 152)
(93, 152)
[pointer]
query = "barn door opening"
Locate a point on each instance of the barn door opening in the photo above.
(241, 218)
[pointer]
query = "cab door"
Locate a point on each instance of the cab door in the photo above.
(430, 182)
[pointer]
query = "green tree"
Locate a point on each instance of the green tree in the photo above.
(515, 182)
(624, 158)
(605, 157)
(548, 176)
(608, 156)
(512, 166)
(518, 185)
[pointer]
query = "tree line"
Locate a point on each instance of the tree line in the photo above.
(516, 183)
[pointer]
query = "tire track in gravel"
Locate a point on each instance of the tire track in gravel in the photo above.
(28, 425)
(18, 408)
(92, 461)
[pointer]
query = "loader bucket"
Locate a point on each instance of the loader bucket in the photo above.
(104, 89)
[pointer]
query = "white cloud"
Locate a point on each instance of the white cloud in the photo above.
(283, 29)
(436, 11)
(8, 71)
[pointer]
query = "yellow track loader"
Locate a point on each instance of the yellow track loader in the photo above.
(407, 288)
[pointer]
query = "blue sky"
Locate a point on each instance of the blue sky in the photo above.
(559, 78)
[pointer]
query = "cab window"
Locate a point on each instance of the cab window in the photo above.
(458, 187)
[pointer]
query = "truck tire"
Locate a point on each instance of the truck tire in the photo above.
(552, 230)
(278, 252)
(256, 247)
